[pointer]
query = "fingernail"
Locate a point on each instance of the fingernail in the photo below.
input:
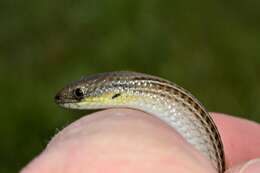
(252, 166)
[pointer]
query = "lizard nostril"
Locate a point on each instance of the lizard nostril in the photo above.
(57, 97)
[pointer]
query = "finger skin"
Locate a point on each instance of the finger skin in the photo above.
(119, 141)
(251, 166)
(241, 138)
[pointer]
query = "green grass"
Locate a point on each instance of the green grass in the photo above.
(209, 47)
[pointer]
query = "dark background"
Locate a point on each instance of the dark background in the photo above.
(210, 47)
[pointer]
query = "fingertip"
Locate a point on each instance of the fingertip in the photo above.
(251, 166)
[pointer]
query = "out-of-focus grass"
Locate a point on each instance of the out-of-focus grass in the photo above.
(209, 47)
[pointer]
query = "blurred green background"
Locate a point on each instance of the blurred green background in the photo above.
(210, 47)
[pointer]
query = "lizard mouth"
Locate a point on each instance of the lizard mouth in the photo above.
(61, 100)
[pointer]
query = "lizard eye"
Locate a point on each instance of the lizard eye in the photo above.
(78, 93)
